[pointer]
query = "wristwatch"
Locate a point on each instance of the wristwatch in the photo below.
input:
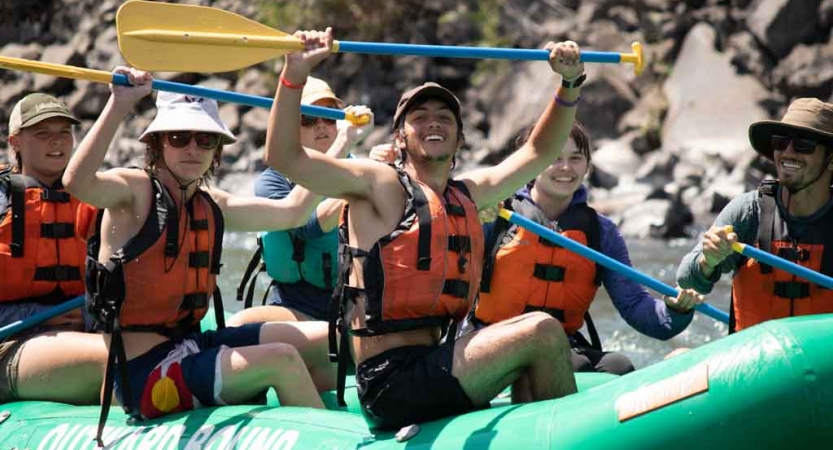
(574, 83)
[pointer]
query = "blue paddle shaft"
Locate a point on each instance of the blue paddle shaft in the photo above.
(447, 51)
(787, 266)
(611, 264)
(36, 319)
(231, 97)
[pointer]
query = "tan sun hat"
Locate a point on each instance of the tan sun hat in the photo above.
(806, 117)
(179, 112)
(317, 89)
(35, 108)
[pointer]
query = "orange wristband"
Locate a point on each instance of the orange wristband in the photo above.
(289, 84)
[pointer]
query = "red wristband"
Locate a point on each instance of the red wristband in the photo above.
(289, 84)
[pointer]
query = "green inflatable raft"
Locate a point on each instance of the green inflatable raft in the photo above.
(770, 386)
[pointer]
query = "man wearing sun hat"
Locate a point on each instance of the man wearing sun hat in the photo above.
(43, 239)
(791, 217)
(302, 261)
(154, 260)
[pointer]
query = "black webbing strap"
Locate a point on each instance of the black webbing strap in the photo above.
(115, 357)
(327, 267)
(548, 272)
(492, 247)
(459, 244)
(247, 274)
(456, 288)
(198, 260)
(57, 273)
(595, 341)
(343, 363)
(732, 321)
(766, 221)
(57, 230)
(297, 249)
(455, 210)
(792, 289)
(168, 216)
(423, 212)
(18, 201)
(54, 196)
(219, 313)
(216, 257)
(794, 254)
(199, 225)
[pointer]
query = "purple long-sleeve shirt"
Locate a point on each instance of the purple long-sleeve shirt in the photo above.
(640, 310)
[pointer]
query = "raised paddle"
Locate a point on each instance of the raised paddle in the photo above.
(780, 263)
(36, 319)
(100, 76)
(188, 38)
(606, 261)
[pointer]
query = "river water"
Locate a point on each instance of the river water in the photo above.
(656, 258)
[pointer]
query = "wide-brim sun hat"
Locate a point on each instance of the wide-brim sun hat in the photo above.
(806, 117)
(179, 112)
(316, 89)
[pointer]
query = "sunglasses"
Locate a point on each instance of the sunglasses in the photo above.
(800, 145)
(308, 121)
(181, 139)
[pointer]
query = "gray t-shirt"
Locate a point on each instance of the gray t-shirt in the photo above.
(742, 214)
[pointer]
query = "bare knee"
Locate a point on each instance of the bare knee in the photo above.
(281, 353)
(547, 331)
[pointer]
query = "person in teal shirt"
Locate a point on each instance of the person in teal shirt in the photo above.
(302, 261)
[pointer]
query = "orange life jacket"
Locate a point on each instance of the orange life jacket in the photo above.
(162, 279)
(524, 272)
(761, 292)
(423, 274)
(43, 239)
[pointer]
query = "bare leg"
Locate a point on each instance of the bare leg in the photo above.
(310, 338)
(248, 371)
(521, 389)
(488, 360)
(63, 366)
(267, 314)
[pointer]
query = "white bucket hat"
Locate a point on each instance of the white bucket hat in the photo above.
(179, 112)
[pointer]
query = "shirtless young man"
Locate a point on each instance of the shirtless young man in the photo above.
(406, 274)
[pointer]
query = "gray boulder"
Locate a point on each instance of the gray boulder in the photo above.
(709, 114)
(781, 24)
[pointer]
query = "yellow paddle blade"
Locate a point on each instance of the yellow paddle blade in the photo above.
(187, 38)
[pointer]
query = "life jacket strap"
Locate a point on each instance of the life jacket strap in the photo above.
(57, 230)
(17, 186)
(57, 273)
(547, 272)
(456, 288)
(53, 196)
(792, 289)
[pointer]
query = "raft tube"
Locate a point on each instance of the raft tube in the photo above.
(769, 386)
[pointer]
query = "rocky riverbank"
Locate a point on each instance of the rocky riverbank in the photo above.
(671, 144)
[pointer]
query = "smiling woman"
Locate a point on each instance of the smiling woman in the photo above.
(524, 273)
